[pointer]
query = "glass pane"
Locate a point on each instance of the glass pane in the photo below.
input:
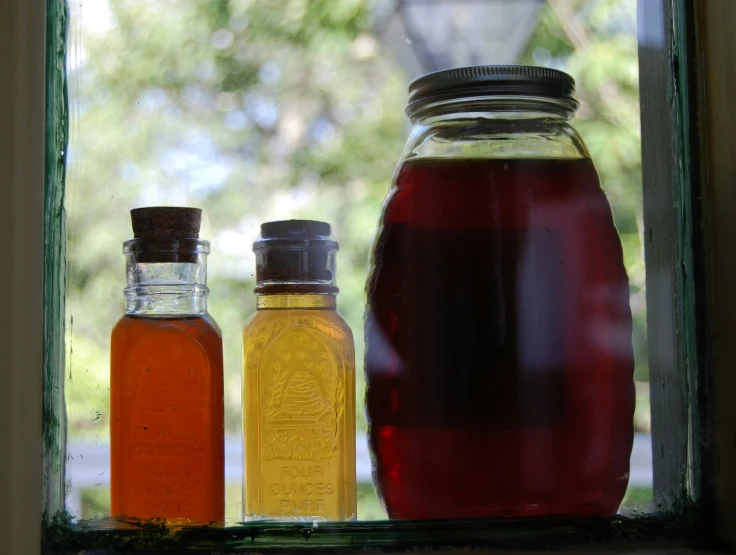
(261, 111)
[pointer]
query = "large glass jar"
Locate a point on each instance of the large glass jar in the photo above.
(499, 359)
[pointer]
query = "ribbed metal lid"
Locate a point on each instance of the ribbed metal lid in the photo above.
(490, 80)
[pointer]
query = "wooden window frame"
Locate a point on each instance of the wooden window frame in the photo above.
(22, 97)
(687, 124)
(673, 248)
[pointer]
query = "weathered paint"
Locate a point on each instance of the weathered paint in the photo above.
(54, 412)
(672, 228)
(382, 536)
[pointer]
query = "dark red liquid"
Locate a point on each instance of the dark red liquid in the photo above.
(499, 358)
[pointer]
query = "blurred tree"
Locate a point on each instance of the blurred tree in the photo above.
(256, 111)
(252, 111)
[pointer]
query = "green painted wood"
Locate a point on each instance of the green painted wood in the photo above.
(691, 245)
(670, 192)
(54, 411)
(383, 536)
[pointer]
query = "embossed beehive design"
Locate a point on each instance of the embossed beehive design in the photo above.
(300, 399)
(302, 396)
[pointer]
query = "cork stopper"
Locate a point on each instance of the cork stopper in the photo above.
(166, 222)
(166, 234)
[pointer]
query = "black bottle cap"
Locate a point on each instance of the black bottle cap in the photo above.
(287, 229)
(293, 254)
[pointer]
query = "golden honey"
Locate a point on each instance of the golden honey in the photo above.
(299, 382)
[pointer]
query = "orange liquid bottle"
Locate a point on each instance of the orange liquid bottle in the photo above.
(166, 385)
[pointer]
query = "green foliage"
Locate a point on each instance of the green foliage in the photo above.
(369, 506)
(257, 111)
(638, 499)
(253, 111)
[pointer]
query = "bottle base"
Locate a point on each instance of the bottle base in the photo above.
(586, 510)
(295, 518)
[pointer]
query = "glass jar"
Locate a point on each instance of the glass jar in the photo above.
(499, 359)
(298, 381)
(167, 433)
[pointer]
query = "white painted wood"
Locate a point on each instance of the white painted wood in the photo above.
(22, 54)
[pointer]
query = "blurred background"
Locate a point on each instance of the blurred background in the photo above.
(257, 111)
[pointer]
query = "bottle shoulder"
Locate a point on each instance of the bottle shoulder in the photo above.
(480, 138)
(269, 326)
(131, 328)
(298, 318)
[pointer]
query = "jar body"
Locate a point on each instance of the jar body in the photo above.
(167, 432)
(167, 419)
(498, 331)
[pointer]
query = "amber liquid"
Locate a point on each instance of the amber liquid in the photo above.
(167, 429)
(499, 358)
(299, 419)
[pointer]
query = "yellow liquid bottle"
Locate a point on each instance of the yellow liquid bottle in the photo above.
(299, 382)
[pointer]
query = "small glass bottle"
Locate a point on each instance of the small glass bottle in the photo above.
(166, 382)
(299, 386)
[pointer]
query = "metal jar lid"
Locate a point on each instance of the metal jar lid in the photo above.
(490, 81)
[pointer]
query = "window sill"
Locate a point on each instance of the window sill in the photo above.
(645, 533)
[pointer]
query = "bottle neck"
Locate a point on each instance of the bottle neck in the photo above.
(167, 288)
(495, 127)
(311, 301)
